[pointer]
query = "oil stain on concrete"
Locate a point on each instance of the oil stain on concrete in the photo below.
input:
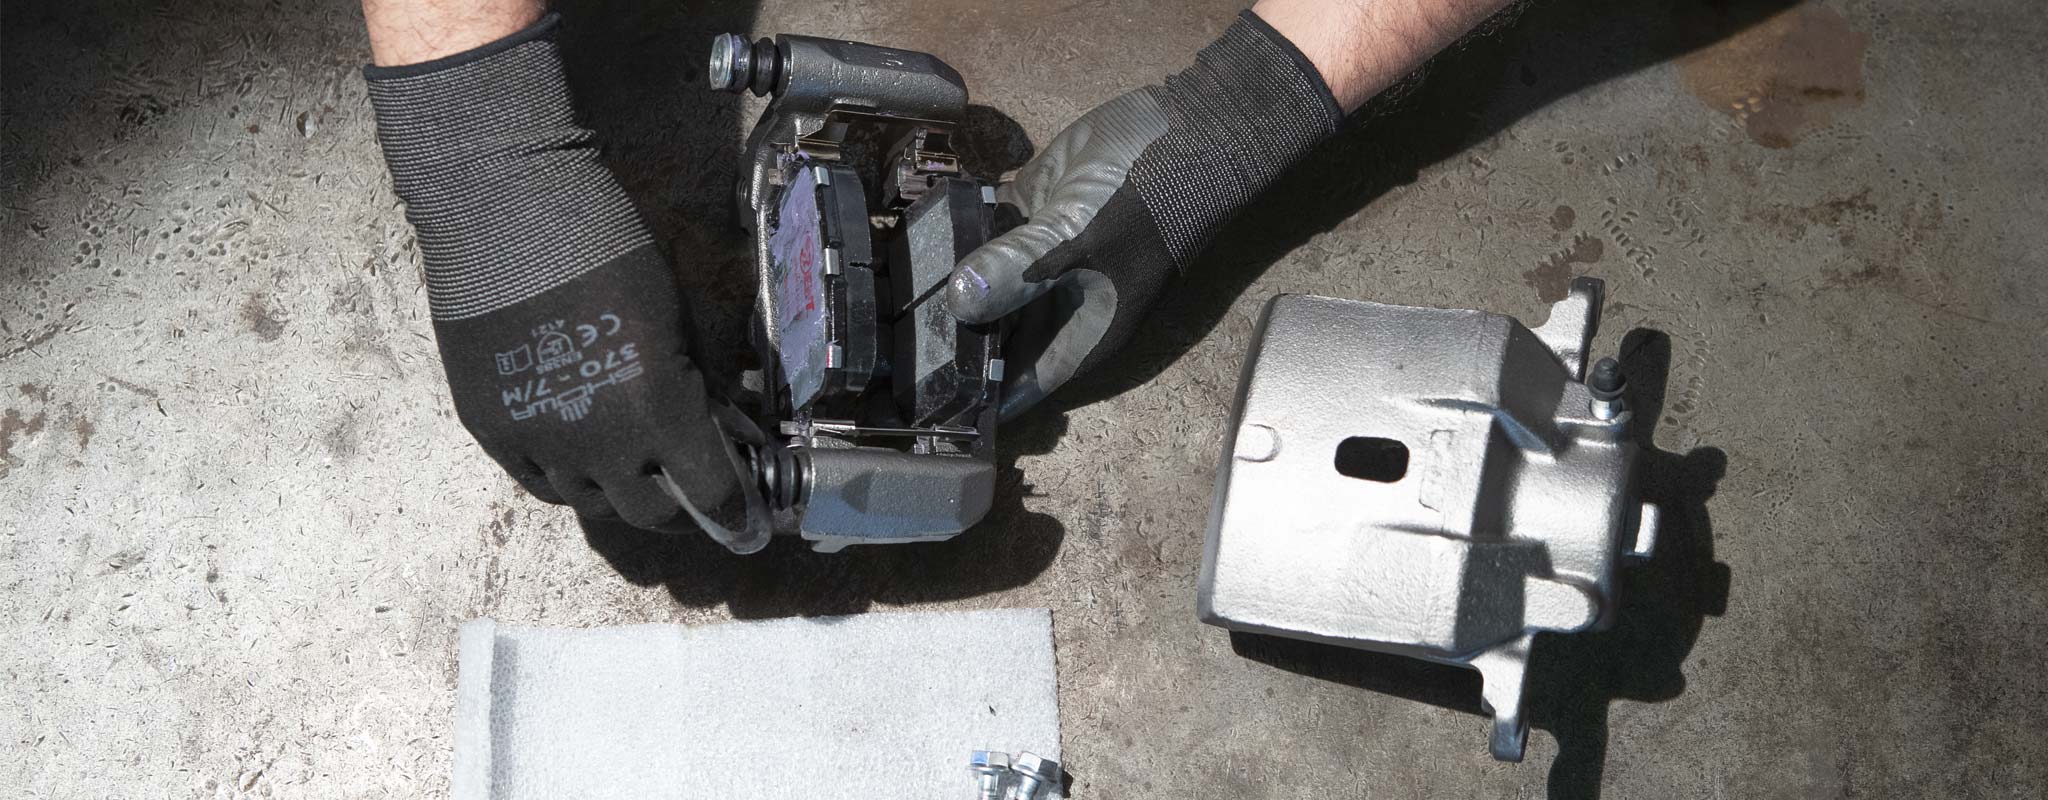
(1552, 279)
(14, 427)
(260, 319)
(1832, 213)
(82, 428)
(1784, 78)
(1563, 218)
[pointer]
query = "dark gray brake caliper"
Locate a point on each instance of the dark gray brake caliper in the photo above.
(880, 407)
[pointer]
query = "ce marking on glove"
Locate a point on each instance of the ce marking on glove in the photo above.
(553, 347)
(560, 378)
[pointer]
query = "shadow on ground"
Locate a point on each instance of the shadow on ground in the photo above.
(1573, 679)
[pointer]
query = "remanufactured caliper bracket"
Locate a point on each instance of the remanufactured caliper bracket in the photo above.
(881, 406)
(1434, 483)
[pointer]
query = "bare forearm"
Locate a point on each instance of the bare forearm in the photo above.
(412, 31)
(1364, 46)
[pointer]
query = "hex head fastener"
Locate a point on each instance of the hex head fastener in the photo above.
(1607, 385)
(1033, 773)
(988, 767)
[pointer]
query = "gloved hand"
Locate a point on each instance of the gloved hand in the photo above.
(563, 335)
(1129, 194)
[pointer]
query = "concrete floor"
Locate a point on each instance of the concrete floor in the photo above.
(242, 522)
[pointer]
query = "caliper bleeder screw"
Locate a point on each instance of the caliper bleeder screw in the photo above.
(1033, 773)
(988, 767)
(1606, 386)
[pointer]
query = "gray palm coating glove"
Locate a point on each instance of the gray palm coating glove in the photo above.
(568, 351)
(1127, 196)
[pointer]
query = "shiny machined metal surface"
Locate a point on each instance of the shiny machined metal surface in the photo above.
(989, 768)
(1435, 483)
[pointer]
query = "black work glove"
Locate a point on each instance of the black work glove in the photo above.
(1129, 194)
(565, 340)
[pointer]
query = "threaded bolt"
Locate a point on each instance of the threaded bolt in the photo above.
(1033, 773)
(988, 768)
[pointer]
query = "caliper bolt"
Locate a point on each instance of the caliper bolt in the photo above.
(1606, 386)
(988, 767)
(1033, 773)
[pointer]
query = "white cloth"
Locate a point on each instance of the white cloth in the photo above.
(882, 706)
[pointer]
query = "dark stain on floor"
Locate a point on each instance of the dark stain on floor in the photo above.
(1834, 213)
(1563, 218)
(81, 427)
(497, 533)
(1552, 279)
(1785, 77)
(1871, 274)
(1697, 156)
(500, 529)
(343, 438)
(258, 317)
(13, 426)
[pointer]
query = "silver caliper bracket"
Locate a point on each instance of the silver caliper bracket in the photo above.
(1442, 484)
